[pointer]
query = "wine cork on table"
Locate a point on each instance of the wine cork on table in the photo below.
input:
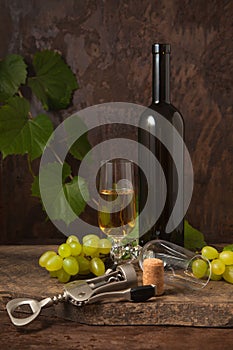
(153, 273)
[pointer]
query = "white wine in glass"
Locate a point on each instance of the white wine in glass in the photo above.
(117, 208)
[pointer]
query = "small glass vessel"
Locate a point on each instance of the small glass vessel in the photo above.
(178, 263)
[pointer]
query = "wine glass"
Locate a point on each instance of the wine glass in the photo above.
(182, 268)
(117, 207)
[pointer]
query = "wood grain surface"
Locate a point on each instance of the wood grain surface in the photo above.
(58, 334)
(108, 46)
(21, 276)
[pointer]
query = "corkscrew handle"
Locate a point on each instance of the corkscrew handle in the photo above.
(34, 305)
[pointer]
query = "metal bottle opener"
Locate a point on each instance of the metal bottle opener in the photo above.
(121, 283)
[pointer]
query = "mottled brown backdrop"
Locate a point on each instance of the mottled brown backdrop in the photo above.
(108, 44)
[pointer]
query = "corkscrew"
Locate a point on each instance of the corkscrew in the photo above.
(121, 283)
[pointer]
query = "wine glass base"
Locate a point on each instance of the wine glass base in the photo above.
(125, 253)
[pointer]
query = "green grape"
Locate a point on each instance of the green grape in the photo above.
(199, 268)
(45, 257)
(72, 238)
(76, 248)
(217, 266)
(96, 254)
(64, 250)
(90, 236)
(97, 266)
(53, 274)
(70, 265)
(84, 265)
(214, 277)
(90, 246)
(63, 276)
(104, 246)
(54, 263)
(226, 257)
(228, 274)
(209, 252)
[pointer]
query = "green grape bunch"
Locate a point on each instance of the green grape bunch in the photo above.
(221, 264)
(73, 258)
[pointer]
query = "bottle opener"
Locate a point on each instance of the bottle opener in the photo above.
(121, 283)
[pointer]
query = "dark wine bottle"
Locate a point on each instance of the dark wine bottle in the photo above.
(152, 183)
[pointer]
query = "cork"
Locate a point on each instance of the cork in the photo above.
(153, 273)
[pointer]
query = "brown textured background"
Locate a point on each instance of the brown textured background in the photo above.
(108, 45)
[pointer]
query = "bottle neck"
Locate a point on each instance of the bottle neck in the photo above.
(161, 77)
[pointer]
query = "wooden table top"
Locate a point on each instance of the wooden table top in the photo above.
(207, 313)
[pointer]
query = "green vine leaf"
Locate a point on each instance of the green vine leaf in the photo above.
(18, 133)
(35, 189)
(73, 194)
(193, 239)
(13, 72)
(228, 247)
(57, 194)
(54, 82)
(82, 146)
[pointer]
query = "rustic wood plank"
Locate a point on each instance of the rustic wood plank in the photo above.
(21, 276)
(58, 334)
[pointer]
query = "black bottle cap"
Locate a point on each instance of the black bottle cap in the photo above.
(161, 48)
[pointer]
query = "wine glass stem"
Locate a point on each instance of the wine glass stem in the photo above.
(117, 252)
(129, 251)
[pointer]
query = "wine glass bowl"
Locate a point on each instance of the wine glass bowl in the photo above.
(182, 268)
(116, 208)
